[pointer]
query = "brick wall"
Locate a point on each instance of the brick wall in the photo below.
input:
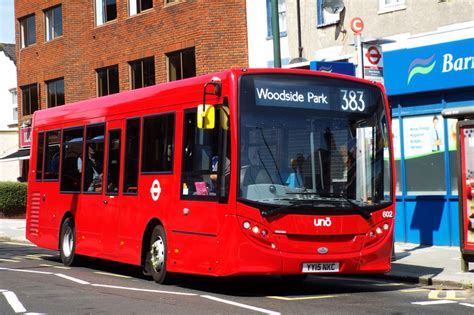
(217, 29)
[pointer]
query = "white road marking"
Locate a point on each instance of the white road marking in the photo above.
(71, 278)
(111, 274)
(302, 298)
(21, 244)
(28, 271)
(12, 299)
(142, 290)
(467, 304)
(249, 307)
(437, 302)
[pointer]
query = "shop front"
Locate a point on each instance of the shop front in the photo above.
(421, 82)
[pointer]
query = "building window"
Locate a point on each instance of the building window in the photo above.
(105, 11)
(14, 104)
(137, 6)
(325, 17)
(27, 31)
(158, 143)
(29, 98)
(181, 64)
(53, 23)
(391, 5)
(281, 18)
(424, 155)
(142, 72)
(55, 92)
(107, 80)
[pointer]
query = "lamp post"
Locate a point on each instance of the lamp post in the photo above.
(275, 34)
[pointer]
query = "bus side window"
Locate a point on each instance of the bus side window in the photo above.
(39, 156)
(51, 155)
(132, 151)
(199, 159)
(113, 163)
(94, 159)
(71, 163)
(158, 143)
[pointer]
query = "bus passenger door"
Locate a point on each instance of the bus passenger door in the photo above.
(198, 215)
(111, 197)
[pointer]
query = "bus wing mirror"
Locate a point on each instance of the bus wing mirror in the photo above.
(206, 116)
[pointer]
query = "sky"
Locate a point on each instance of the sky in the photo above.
(7, 22)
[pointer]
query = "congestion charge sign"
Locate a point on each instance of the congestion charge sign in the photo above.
(311, 97)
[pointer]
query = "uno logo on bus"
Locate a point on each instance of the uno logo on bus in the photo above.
(323, 222)
(387, 214)
(155, 190)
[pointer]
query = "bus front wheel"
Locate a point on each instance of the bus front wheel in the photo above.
(156, 256)
(67, 243)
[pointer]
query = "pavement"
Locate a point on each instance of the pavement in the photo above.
(437, 266)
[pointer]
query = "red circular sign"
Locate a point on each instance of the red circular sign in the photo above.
(357, 25)
(373, 55)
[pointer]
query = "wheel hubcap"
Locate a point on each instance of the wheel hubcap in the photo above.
(68, 242)
(157, 254)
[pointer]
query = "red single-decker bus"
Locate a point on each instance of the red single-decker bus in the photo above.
(277, 172)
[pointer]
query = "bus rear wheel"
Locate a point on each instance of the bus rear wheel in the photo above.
(67, 242)
(156, 256)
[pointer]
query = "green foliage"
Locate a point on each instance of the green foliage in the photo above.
(12, 198)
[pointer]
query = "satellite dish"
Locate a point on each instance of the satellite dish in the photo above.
(333, 6)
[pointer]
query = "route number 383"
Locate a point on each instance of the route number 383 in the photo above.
(353, 100)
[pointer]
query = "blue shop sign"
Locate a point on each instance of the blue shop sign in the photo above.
(430, 68)
(335, 67)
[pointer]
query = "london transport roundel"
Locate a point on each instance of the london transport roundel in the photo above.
(155, 190)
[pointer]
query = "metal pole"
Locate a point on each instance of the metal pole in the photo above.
(276, 34)
(360, 61)
(300, 47)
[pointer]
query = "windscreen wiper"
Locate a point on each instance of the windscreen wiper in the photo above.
(283, 209)
(363, 212)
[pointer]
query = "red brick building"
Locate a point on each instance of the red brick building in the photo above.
(70, 50)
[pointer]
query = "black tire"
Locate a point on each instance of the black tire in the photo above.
(67, 242)
(156, 256)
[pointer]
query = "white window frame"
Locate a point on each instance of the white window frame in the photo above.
(49, 19)
(324, 18)
(100, 12)
(390, 7)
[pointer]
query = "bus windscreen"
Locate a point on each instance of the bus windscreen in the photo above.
(311, 142)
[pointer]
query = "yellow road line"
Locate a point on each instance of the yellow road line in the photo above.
(111, 274)
(450, 295)
(302, 298)
(8, 260)
(389, 284)
(413, 290)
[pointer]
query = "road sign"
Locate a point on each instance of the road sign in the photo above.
(357, 25)
(373, 55)
(373, 62)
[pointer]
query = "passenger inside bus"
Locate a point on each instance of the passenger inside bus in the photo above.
(93, 170)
